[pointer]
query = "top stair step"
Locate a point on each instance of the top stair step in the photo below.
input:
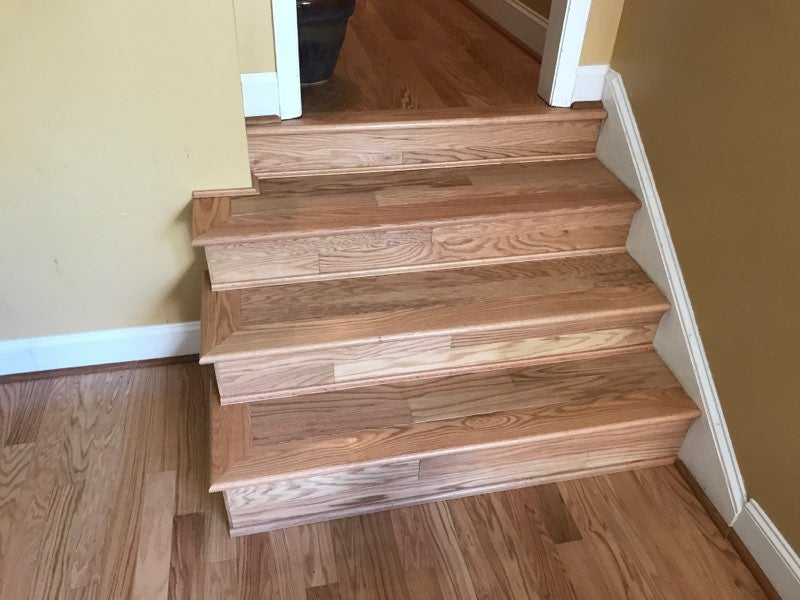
(393, 140)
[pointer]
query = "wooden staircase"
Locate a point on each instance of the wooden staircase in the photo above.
(417, 306)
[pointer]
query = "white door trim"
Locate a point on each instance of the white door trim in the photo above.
(562, 51)
(287, 59)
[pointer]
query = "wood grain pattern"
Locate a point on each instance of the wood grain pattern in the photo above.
(423, 56)
(278, 320)
(412, 222)
(326, 454)
(453, 549)
(396, 327)
(488, 140)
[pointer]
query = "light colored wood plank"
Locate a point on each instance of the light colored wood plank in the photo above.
(484, 356)
(151, 575)
(341, 484)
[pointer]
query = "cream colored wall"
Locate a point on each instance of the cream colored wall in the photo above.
(111, 113)
(601, 32)
(255, 35)
(714, 88)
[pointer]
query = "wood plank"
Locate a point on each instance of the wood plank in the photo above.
(371, 447)
(151, 576)
(472, 144)
(187, 556)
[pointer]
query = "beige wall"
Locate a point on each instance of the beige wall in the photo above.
(111, 113)
(254, 35)
(715, 90)
(601, 31)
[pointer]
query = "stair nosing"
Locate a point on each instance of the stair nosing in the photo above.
(382, 120)
(626, 202)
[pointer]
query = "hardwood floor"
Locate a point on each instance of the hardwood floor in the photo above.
(424, 54)
(103, 494)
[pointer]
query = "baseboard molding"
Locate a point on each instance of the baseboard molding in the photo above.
(589, 83)
(779, 562)
(98, 347)
(707, 451)
(260, 94)
(516, 19)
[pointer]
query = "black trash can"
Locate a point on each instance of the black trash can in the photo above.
(321, 27)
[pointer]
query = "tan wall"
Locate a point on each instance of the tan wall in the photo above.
(715, 91)
(254, 35)
(111, 113)
(601, 32)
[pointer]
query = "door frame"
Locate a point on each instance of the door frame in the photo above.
(557, 77)
(287, 58)
(562, 51)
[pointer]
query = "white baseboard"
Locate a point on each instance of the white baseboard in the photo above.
(525, 24)
(589, 83)
(770, 550)
(707, 450)
(98, 347)
(260, 94)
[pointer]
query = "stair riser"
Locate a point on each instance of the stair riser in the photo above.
(276, 155)
(341, 368)
(358, 491)
(421, 248)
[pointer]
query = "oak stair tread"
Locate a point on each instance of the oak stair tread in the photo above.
(316, 434)
(375, 202)
(391, 119)
(550, 296)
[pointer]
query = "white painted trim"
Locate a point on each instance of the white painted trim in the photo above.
(589, 83)
(770, 550)
(260, 94)
(287, 58)
(562, 50)
(707, 449)
(98, 347)
(525, 24)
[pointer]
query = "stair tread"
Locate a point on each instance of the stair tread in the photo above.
(341, 205)
(322, 433)
(385, 119)
(475, 301)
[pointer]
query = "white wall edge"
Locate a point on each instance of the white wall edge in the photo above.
(260, 94)
(707, 450)
(525, 24)
(98, 347)
(589, 83)
(287, 58)
(770, 549)
(562, 50)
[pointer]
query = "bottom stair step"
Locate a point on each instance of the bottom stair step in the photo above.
(330, 455)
